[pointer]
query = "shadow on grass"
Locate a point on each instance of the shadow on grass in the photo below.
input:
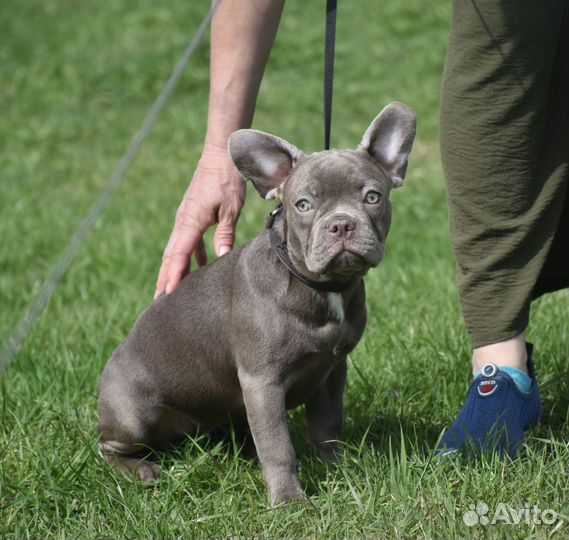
(384, 435)
(364, 438)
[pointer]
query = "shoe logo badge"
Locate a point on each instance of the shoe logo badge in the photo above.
(487, 387)
(489, 370)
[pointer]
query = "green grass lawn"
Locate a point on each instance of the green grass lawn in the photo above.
(77, 79)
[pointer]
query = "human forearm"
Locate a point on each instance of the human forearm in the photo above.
(243, 32)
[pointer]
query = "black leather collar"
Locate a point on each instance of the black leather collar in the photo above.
(278, 243)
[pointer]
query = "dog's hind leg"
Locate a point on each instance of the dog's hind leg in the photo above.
(123, 458)
(134, 420)
(126, 425)
(128, 432)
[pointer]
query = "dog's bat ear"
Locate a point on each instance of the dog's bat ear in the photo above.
(389, 139)
(264, 159)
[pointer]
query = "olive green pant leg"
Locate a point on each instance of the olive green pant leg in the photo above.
(505, 150)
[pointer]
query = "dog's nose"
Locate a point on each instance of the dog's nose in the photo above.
(341, 226)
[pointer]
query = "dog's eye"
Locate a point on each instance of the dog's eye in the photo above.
(303, 205)
(372, 197)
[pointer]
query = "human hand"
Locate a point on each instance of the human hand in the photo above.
(216, 195)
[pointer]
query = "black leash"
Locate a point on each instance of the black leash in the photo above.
(331, 9)
(278, 243)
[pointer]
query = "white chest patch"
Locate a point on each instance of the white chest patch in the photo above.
(336, 305)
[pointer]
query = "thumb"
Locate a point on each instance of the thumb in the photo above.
(224, 236)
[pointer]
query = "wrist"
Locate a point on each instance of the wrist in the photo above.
(217, 139)
(217, 147)
(215, 160)
(222, 125)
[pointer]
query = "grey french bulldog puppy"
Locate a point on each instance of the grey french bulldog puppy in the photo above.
(268, 326)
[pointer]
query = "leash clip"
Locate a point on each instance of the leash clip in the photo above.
(270, 219)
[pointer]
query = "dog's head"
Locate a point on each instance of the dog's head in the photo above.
(336, 202)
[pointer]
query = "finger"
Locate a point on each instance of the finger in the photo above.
(162, 278)
(179, 265)
(200, 253)
(176, 259)
(185, 239)
(224, 236)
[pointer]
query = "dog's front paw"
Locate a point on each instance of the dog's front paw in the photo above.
(285, 492)
(327, 451)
